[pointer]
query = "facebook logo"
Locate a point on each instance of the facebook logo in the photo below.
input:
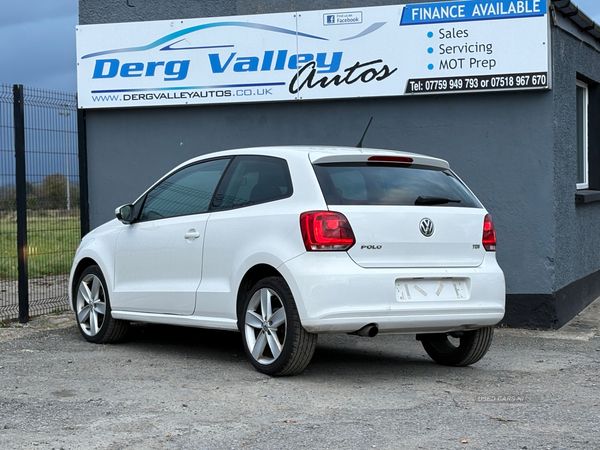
(331, 19)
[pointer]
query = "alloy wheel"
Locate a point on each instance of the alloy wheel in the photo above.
(265, 326)
(91, 305)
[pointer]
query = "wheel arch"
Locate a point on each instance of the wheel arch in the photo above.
(251, 277)
(81, 266)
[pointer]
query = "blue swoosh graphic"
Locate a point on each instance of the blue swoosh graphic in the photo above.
(170, 46)
(168, 37)
(372, 28)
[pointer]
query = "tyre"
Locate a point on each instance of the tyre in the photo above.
(463, 350)
(92, 309)
(274, 339)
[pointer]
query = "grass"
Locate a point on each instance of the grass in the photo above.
(52, 241)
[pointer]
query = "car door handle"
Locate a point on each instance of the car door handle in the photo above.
(191, 235)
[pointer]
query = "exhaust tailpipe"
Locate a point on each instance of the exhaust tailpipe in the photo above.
(370, 330)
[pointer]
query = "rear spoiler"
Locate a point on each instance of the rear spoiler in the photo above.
(366, 156)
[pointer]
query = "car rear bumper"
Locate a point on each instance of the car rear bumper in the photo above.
(335, 295)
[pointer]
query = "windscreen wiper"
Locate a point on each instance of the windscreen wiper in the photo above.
(434, 200)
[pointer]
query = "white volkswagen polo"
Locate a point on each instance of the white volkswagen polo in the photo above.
(284, 243)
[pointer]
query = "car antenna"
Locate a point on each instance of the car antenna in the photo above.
(359, 145)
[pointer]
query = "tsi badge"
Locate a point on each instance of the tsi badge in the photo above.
(342, 18)
(426, 227)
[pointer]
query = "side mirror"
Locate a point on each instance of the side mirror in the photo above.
(125, 214)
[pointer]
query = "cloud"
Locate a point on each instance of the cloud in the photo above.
(40, 53)
(32, 11)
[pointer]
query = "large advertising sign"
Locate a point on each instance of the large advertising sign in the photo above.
(445, 47)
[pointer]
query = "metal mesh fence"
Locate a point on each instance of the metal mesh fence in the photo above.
(52, 186)
(9, 305)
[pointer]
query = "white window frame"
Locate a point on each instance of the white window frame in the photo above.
(585, 183)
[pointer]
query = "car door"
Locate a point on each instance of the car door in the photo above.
(247, 219)
(158, 258)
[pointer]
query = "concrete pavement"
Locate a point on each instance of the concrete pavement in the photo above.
(169, 387)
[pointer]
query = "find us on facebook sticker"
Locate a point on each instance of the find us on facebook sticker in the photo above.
(342, 18)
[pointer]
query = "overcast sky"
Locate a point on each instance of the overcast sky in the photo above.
(38, 41)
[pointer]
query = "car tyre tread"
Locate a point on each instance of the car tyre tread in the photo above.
(473, 346)
(116, 332)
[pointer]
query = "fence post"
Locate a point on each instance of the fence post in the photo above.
(84, 206)
(21, 185)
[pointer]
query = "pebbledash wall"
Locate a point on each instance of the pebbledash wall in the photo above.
(517, 150)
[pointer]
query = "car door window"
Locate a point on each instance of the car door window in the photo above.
(187, 191)
(252, 180)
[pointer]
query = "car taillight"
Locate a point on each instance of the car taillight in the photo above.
(489, 234)
(326, 231)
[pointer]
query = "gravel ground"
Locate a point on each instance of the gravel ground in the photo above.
(179, 388)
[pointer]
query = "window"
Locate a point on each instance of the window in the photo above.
(389, 184)
(187, 191)
(252, 180)
(582, 135)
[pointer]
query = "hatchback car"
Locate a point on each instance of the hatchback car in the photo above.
(284, 243)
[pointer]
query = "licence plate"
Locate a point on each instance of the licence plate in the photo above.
(414, 289)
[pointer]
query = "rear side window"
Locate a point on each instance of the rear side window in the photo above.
(389, 184)
(251, 180)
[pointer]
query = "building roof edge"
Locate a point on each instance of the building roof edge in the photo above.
(577, 16)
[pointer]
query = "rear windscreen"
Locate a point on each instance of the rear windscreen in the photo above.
(389, 184)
